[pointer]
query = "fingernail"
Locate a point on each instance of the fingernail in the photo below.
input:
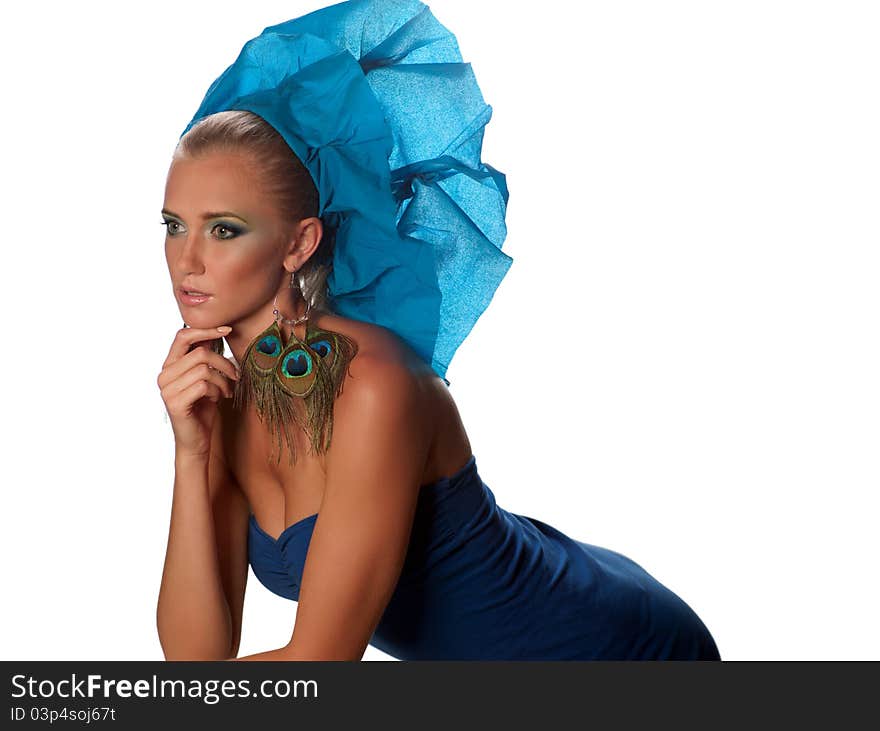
(225, 329)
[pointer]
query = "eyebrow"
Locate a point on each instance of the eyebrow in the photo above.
(206, 216)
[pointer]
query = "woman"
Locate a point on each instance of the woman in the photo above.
(331, 218)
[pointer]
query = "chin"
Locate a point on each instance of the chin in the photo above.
(200, 321)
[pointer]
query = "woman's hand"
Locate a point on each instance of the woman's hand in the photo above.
(192, 382)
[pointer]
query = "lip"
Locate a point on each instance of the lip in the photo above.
(190, 299)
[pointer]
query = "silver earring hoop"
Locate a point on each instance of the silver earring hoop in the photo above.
(281, 318)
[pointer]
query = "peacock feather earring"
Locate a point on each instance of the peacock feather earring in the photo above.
(295, 383)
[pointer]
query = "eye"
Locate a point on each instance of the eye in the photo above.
(232, 230)
(168, 225)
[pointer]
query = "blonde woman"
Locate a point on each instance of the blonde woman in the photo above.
(327, 212)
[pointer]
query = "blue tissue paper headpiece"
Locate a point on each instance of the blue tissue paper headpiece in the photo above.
(373, 98)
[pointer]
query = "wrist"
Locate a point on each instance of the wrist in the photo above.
(187, 457)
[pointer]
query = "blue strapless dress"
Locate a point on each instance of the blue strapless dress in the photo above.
(481, 583)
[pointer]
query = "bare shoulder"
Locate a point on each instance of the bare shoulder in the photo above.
(383, 359)
(382, 380)
(388, 390)
(387, 385)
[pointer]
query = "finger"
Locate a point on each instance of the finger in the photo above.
(201, 354)
(199, 372)
(174, 366)
(186, 337)
(182, 402)
(194, 358)
(218, 362)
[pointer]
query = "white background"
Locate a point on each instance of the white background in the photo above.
(693, 219)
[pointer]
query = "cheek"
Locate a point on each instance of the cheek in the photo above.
(247, 274)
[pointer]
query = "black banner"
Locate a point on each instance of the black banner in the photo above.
(117, 695)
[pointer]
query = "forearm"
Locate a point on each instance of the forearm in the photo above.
(286, 653)
(293, 652)
(282, 653)
(192, 615)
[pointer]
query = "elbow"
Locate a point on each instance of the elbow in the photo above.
(195, 657)
(302, 651)
(188, 652)
(180, 641)
(183, 646)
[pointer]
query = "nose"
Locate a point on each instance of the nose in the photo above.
(189, 259)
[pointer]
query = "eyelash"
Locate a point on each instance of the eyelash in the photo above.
(232, 229)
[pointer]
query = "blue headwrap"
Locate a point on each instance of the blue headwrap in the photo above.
(374, 99)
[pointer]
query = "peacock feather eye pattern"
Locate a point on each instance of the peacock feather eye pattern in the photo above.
(324, 344)
(264, 351)
(322, 347)
(311, 370)
(269, 345)
(297, 368)
(296, 364)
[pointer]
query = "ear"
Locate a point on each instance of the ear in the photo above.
(304, 242)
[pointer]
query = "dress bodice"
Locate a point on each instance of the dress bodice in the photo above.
(481, 583)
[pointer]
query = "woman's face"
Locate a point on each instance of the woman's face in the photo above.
(223, 238)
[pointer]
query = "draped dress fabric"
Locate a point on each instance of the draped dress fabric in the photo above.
(482, 583)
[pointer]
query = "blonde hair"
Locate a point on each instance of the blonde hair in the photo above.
(283, 175)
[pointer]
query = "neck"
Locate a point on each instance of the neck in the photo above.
(290, 305)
